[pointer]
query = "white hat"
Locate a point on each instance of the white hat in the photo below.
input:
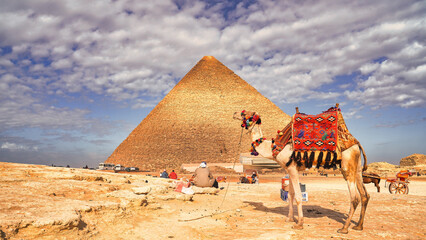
(203, 165)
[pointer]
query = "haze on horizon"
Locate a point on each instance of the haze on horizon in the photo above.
(76, 77)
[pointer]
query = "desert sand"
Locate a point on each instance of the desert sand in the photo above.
(40, 202)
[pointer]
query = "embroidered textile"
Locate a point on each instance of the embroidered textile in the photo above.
(316, 132)
(318, 140)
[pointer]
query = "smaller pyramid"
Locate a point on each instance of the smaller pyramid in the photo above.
(194, 123)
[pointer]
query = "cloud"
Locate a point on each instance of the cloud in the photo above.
(21, 108)
(125, 49)
(18, 144)
(16, 147)
(392, 83)
(133, 52)
(400, 123)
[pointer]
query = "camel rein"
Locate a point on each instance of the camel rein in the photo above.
(226, 192)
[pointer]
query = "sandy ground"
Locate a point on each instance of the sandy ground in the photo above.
(39, 202)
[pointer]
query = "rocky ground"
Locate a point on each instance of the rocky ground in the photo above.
(40, 202)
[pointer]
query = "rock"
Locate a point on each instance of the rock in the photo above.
(141, 190)
(88, 178)
(205, 190)
(184, 197)
(413, 160)
(139, 202)
(125, 194)
(166, 197)
(159, 189)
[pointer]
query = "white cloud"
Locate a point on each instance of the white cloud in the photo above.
(62, 63)
(16, 147)
(131, 50)
(368, 68)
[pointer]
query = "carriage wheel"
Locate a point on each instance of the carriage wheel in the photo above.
(398, 188)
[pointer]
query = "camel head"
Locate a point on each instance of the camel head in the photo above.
(248, 118)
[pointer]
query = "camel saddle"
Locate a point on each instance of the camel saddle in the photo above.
(315, 136)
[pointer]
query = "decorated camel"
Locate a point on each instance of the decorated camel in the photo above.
(310, 141)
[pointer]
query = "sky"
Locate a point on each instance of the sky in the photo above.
(77, 76)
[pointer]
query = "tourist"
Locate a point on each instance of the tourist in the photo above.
(203, 178)
(164, 174)
(254, 177)
(173, 175)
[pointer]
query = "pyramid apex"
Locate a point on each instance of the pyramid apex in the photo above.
(209, 58)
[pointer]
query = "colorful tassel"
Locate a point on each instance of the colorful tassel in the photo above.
(299, 159)
(305, 159)
(299, 156)
(291, 159)
(334, 161)
(311, 159)
(327, 161)
(320, 156)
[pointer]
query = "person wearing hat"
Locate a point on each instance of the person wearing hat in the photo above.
(164, 174)
(254, 178)
(203, 177)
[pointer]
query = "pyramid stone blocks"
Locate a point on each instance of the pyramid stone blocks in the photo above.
(194, 123)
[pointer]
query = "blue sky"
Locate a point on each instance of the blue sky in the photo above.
(76, 77)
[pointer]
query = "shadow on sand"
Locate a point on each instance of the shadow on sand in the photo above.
(309, 211)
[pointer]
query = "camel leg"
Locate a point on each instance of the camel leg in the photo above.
(365, 197)
(352, 172)
(354, 204)
(290, 203)
(294, 181)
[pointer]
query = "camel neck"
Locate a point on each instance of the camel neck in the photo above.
(256, 133)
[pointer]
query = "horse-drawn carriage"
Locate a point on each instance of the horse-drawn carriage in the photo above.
(398, 185)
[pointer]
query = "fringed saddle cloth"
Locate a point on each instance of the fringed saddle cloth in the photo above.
(318, 140)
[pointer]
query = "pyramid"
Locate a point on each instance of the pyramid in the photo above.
(194, 123)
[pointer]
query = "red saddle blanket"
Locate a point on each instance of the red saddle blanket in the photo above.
(315, 132)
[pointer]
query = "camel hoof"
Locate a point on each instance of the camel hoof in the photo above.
(359, 228)
(290, 219)
(342, 230)
(297, 226)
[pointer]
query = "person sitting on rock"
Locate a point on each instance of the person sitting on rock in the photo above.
(164, 174)
(203, 178)
(173, 175)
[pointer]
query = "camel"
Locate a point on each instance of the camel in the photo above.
(350, 165)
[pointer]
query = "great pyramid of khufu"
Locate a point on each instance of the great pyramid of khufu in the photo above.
(194, 123)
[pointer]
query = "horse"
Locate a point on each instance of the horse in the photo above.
(371, 178)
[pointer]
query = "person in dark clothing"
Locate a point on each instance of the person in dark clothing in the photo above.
(254, 177)
(164, 174)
